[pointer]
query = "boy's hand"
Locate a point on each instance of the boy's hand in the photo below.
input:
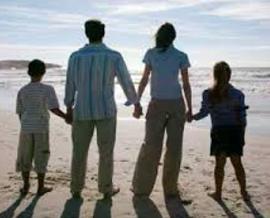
(69, 116)
(137, 111)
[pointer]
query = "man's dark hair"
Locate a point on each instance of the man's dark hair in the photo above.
(94, 30)
(36, 68)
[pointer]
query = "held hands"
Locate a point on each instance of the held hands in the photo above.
(69, 116)
(137, 111)
(189, 116)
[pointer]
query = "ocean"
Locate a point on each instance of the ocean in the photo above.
(254, 82)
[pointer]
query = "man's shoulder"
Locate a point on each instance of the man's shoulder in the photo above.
(112, 52)
(85, 51)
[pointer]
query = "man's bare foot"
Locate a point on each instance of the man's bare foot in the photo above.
(245, 195)
(44, 190)
(215, 196)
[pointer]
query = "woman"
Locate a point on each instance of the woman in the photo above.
(166, 112)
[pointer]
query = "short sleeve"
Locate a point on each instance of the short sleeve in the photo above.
(147, 58)
(184, 62)
(52, 99)
(18, 104)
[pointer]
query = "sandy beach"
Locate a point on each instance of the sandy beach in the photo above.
(195, 181)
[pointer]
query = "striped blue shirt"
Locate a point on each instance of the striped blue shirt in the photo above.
(90, 82)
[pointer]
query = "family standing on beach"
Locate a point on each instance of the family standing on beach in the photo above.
(89, 98)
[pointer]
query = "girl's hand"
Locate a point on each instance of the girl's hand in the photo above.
(189, 116)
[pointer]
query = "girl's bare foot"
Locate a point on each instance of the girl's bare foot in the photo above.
(245, 195)
(44, 190)
(215, 196)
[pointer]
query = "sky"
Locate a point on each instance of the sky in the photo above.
(237, 31)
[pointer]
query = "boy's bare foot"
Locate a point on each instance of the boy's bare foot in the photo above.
(245, 195)
(215, 196)
(44, 190)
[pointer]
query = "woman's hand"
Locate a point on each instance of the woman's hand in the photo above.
(137, 111)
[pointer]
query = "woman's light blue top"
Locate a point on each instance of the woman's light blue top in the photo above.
(165, 67)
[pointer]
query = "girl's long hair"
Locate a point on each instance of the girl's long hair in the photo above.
(165, 36)
(222, 75)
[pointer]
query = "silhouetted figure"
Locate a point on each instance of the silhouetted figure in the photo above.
(89, 98)
(33, 102)
(29, 211)
(9, 212)
(166, 113)
(145, 208)
(72, 208)
(103, 208)
(226, 106)
(175, 207)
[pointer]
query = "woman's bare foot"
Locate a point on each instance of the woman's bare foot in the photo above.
(43, 190)
(215, 196)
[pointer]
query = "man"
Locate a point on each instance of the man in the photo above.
(90, 103)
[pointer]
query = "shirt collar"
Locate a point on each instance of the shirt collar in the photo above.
(95, 45)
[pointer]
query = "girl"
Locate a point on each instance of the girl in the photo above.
(227, 109)
(166, 112)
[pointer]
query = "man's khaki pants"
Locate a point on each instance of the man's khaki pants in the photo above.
(162, 115)
(82, 132)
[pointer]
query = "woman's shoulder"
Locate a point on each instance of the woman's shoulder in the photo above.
(180, 52)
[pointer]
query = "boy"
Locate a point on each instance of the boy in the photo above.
(33, 102)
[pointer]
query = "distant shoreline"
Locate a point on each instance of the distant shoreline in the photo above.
(21, 64)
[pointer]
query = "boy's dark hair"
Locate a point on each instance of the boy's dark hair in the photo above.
(94, 30)
(36, 68)
(165, 36)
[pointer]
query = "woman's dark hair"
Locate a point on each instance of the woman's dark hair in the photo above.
(165, 36)
(36, 68)
(222, 75)
(94, 30)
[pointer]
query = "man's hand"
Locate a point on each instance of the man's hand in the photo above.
(137, 111)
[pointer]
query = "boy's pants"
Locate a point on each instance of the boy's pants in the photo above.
(82, 132)
(33, 146)
(162, 115)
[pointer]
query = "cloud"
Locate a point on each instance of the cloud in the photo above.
(243, 10)
(41, 14)
(137, 8)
